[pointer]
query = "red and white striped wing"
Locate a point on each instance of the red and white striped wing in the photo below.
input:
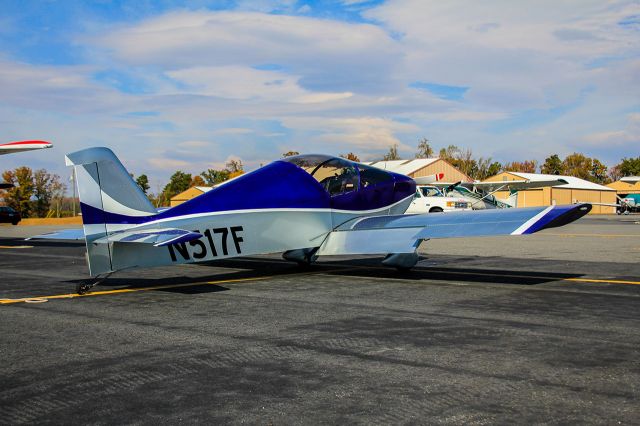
(13, 147)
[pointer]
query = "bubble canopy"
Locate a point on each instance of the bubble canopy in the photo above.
(339, 176)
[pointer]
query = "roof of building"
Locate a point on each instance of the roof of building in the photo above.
(630, 179)
(572, 182)
(404, 167)
(203, 188)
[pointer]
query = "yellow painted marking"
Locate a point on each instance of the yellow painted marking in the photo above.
(127, 290)
(588, 280)
(157, 287)
(15, 247)
(40, 299)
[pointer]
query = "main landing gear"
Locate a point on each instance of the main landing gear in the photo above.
(303, 257)
(83, 287)
(403, 262)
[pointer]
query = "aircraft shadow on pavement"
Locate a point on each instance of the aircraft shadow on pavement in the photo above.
(371, 268)
(254, 268)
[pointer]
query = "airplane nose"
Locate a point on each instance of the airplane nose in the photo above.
(404, 186)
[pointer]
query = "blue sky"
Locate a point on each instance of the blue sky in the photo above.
(189, 84)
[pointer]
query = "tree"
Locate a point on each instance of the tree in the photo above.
(290, 154)
(578, 165)
(598, 172)
(143, 183)
(57, 189)
(424, 149)
(450, 153)
(584, 167)
(214, 177)
(630, 167)
(178, 183)
(19, 197)
(614, 173)
(527, 166)
(392, 154)
(552, 166)
(351, 156)
(486, 168)
(46, 187)
(234, 166)
(494, 169)
(196, 181)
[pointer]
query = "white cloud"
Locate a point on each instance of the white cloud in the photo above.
(345, 56)
(168, 164)
(235, 82)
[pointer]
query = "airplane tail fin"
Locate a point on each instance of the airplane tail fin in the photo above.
(109, 200)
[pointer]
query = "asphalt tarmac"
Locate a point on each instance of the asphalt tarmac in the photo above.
(535, 329)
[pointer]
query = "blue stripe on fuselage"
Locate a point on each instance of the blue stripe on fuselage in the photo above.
(276, 185)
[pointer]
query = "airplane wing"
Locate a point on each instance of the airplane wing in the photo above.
(13, 147)
(403, 233)
(517, 185)
(64, 234)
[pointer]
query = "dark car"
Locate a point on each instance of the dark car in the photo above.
(9, 215)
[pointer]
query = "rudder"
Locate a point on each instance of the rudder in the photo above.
(106, 192)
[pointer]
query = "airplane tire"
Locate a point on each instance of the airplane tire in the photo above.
(84, 287)
(436, 210)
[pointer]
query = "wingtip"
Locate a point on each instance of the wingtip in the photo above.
(567, 215)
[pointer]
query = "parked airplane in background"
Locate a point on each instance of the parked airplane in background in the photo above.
(304, 206)
(20, 146)
(480, 194)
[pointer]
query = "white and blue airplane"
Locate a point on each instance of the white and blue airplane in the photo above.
(304, 206)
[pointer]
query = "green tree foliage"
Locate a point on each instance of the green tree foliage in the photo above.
(19, 197)
(598, 172)
(351, 156)
(178, 183)
(33, 192)
(629, 167)
(212, 177)
(578, 165)
(290, 154)
(494, 169)
(392, 154)
(450, 153)
(143, 183)
(583, 167)
(484, 168)
(46, 189)
(424, 149)
(553, 165)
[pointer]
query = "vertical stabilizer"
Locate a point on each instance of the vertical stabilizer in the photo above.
(108, 197)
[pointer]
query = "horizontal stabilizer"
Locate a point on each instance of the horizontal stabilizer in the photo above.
(65, 234)
(157, 237)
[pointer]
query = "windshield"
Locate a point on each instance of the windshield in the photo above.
(429, 191)
(336, 175)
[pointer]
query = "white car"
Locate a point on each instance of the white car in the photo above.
(430, 199)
